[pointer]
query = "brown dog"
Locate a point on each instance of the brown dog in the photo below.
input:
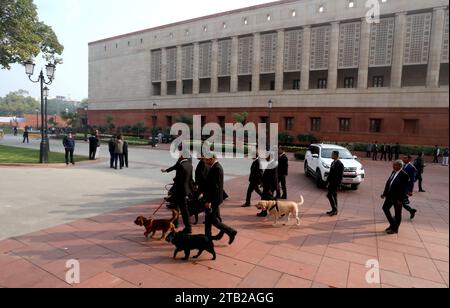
(152, 226)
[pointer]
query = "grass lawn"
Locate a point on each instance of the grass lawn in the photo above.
(13, 155)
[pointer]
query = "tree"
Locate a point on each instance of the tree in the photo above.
(110, 123)
(186, 119)
(23, 36)
(241, 117)
(139, 128)
(17, 104)
(69, 118)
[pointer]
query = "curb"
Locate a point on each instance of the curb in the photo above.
(55, 166)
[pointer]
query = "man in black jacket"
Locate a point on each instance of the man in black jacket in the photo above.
(334, 181)
(394, 195)
(270, 183)
(255, 180)
(111, 148)
(182, 190)
(69, 146)
(201, 177)
(94, 143)
(214, 198)
(283, 172)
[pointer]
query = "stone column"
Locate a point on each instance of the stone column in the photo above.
(306, 58)
(196, 79)
(437, 34)
(279, 70)
(334, 54)
(179, 71)
(398, 53)
(363, 73)
(234, 64)
(214, 67)
(256, 71)
(163, 72)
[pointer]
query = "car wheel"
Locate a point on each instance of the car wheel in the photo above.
(320, 183)
(306, 170)
(355, 186)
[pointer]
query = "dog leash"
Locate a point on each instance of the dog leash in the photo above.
(157, 210)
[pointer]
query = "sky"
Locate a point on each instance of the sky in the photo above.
(78, 22)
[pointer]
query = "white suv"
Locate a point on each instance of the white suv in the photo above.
(318, 163)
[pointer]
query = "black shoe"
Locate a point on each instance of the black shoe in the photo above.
(187, 231)
(422, 190)
(218, 237)
(391, 232)
(330, 212)
(246, 205)
(413, 214)
(262, 214)
(334, 213)
(232, 238)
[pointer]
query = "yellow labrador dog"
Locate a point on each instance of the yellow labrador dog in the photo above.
(282, 208)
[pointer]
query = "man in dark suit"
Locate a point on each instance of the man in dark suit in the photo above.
(214, 199)
(182, 190)
(69, 147)
(420, 166)
(383, 152)
(388, 152)
(255, 180)
(94, 142)
(412, 173)
(394, 195)
(201, 177)
(397, 151)
(111, 148)
(334, 181)
(375, 150)
(283, 172)
(270, 183)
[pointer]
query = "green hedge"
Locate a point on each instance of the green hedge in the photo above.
(300, 155)
(404, 149)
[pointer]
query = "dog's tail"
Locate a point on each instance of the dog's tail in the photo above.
(302, 200)
(175, 216)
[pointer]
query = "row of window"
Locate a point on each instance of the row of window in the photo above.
(321, 8)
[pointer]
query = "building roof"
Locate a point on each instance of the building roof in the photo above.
(250, 8)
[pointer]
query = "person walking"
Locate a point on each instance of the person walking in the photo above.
(419, 163)
(394, 195)
(26, 135)
(255, 181)
(15, 131)
(94, 143)
(334, 181)
(118, 152)
(445, 155)
(125, 152)
(201, 177)
(112, 147)
(436, 154)
(283, 172)
(412, 173)
(69, 147)
(183, 190)
(270, 183)
(214, 199)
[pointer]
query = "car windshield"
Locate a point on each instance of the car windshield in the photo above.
(343, 154)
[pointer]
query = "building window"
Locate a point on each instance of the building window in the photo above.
(272, 85)
(142, 41)
(128, 43)
(375, 125)
(411, 127)
(316, 124)
(221, 120)
(171, 35)
(321, 84)
(187, 32)
(205, 29)
(289, 123)
(378, 82)
(349, 82)
(344, 124)
(224, 25)
(296, 84)
(169, 121)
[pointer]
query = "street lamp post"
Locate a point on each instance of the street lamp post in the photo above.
(86, 126)
(47, 142)
(155, 106)
(50, 70)
(37, 118)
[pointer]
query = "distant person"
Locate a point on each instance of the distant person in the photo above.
(160, 138)
(125, 152)
(394, 195)
(445, 155)
(436, 154)
(255, 181)
(112, 147)
(15, 130)
(334, 181)
(270, 183)
(69, 146)
(388, 150)
(118, 153)
(94, 143)
(26, 135)
(283, 172)
(383, 152)
(419, 163)
(375, 150)
(369, 150)
(397, 151)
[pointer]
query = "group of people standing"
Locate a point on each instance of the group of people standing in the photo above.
(118, 152)
(438, 153)
(208, 186)
(386, 152)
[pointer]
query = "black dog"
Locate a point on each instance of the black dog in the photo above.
(186, 243)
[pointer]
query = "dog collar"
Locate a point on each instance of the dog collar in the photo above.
(274, 207)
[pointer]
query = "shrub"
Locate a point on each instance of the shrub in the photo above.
(307, 138)
(300, 155)
(285, 138)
